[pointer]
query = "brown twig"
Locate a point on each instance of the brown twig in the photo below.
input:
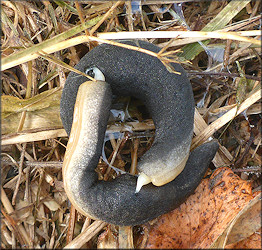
(19, 173)
(224, 74)
(71, 225)
(85, 236)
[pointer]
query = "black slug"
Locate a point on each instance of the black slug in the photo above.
(84, 113)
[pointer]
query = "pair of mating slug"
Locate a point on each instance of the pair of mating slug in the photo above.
(168, 172)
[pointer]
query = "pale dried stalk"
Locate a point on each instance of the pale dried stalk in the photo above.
(129, 15)
(9, 209)
(21, 121)
(28, 94)
(219, 160)
(6, 64)
(239, 36)
(143, 2)
(6, 234)
(48, 50)
(105, 17)
(27, 156)
(52, 238)
(115, 146)
(258, 145)
(220, 122)
(125, 238)
(184, 41)
(33, 136)
(57, 242)
(54, 133)
(134, 156)
(80, 14)
(180, 42)
(86, 224)
(85, 236)
(166, 34)
(98, 8)
(36, 164)
(126, 46)
(13, 182)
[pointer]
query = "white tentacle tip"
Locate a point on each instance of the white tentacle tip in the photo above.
(141, 181)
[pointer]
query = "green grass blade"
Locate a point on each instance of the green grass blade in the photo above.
(59, 38)
(63, 4)
(190, 51)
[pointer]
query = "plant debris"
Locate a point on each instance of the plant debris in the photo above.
(201, 221)
(219, 44)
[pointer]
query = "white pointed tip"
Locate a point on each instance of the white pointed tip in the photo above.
(141, 181)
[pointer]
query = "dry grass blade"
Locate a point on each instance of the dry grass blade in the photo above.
(105, 17)
(74, 41)
(33, 136)
(220, 122)
(18, 58)
(85, 236)
(64, 65)
(28, 55)
(30, 136)
(33, 53)
(219, 22)
(238, 36)
(223, 156)
(80, 14)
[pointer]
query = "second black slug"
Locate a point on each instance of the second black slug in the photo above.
(169, 99)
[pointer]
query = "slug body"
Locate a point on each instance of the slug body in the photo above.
(169, 99)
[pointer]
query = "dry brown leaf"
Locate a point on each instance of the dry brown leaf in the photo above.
(205, 215)
(252, 242)
(42, 111)
(244, 130)
(24, 211)
(51, 204)
(243, 225)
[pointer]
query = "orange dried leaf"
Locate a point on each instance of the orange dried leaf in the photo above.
(252, 242)
(205, 215)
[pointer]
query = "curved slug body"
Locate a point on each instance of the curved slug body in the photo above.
(169, 99)
(85, 142)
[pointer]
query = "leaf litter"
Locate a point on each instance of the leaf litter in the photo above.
(225, 75)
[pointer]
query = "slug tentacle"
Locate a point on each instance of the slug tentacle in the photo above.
(167, 164)
(141, 181)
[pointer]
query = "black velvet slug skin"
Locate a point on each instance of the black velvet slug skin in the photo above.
(169, 99)
(117, 203)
